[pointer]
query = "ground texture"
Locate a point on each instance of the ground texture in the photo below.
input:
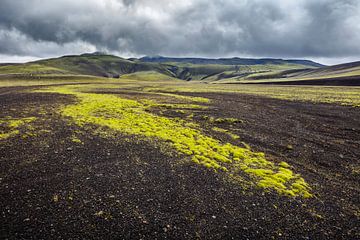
(61, 181)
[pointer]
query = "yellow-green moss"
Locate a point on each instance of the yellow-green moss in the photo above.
(186, 98)
(76, 140)
(232, 135)
(227, 120)
(131, 117)
(8, 134)
(9, 127)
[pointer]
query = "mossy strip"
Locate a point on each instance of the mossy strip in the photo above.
(130, 117)
(11, 126)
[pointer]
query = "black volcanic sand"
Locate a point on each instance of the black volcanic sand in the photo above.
(126, 188)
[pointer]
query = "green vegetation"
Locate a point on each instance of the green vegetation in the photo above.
(220, 71)
(110, 112)
(136, 117)
(292, 74)
(338, 95)
(349, 96)
(10, 127)
(225, 120)
(97, 65)
(186, 98)
(148, 76)
(28, 68)
(233, 136)
(103, 65)
(247, 71)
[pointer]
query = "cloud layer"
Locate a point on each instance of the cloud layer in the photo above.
(281, 28)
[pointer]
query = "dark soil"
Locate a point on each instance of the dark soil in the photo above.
(125, 188)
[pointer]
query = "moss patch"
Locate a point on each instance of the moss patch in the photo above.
(227, 132)
(9, 127)
(131, 117)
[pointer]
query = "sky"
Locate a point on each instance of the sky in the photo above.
(327, 31)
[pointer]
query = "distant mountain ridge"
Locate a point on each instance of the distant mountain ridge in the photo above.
(106, 65)
(229, 61)
(222, 70)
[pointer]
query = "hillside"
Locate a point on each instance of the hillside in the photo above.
(230, 61)
(342, 74)
(103, 65)
(222, 70)
(99, 65)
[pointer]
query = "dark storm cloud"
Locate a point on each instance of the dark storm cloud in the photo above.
(282, 28)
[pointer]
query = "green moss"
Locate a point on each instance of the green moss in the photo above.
(8, 134)
(336, 95)
(131, 117)
(76, 140)
(186, 98)
(29, 68)
(9, 127)
(284, 165)
(227, 120)
(148, 76)
(232, 135)
(179, 105)
(180, 111)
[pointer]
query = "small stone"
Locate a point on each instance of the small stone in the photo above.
(341, 156)
(214, 217)
(26, 219)
(56, 198)
(99, 213)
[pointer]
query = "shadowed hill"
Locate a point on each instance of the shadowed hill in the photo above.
(342, 74)
(100, 65)
(97, 64)
(104, 65)
(230, 61)
(222, 70)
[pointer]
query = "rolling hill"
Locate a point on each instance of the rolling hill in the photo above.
(342, 74)
(222, 70)
(103, 65)
(230, 61)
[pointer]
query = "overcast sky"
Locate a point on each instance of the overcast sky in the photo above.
(327, 31)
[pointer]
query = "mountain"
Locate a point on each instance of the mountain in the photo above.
(105, 65)
(207, 69)
(222, 70)
(96, 64)
(229, 61)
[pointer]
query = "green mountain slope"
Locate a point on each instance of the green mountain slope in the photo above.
(342, 74)
(221, 70)
(231, 61)
(97, 65)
